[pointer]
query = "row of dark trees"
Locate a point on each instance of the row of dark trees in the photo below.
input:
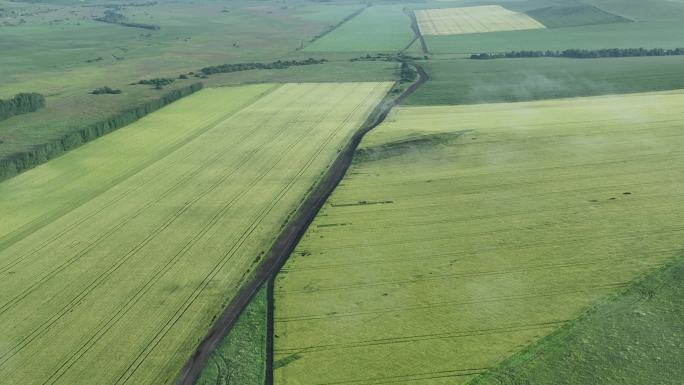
(158, 83)
(114, 17)
(105, 90)
(280, 64)
(21, 104)
(25, 160)
(582, 53)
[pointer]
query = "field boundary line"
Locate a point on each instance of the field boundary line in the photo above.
(419, 35)
(338, 25)
(533, 350)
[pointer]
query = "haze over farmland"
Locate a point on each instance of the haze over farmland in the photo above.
(261, 192)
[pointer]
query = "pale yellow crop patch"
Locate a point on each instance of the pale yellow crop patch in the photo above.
(464, 20)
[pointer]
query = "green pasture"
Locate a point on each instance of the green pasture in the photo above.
(241, 356)
(462, 234)
(119, 255)
(633, 339)
(466, 81)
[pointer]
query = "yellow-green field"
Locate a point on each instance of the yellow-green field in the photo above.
(464, 233)
(117, 256)
(464, 20)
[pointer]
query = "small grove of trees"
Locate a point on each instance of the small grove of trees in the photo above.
(407, 73)
(113, 17)
(582, 53)
(21, 104)
(158, 83)
(105, 90)
(280, 64)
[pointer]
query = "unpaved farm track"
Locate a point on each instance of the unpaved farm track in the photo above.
(285, 244)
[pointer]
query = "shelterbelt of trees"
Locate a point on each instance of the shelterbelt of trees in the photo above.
(21, 104)
(582, 53)
(280, 64)
(23, 161)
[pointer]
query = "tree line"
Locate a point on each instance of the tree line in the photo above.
(114, 17)
(280, 64)
(22, 161)
(582, 53)
(21, 104)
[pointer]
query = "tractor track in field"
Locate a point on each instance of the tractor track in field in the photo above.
(284, 245)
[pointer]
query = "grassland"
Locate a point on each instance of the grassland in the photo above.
(379, 28)
(464, 233)
(241, 356)
(647, 34)
(122, 286)
(465, 81)
(465, 20)
(635, 338)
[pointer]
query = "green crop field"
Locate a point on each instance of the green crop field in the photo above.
(381, 28)
(466, 81)
(118, 256)
(464, 233)
(640, 333)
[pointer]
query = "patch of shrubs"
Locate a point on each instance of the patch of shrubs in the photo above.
(158, 83)
(113, 17)
(21, 104)
(105, 90)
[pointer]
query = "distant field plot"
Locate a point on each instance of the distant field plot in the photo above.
(643, 10)
(121, 288)
(633, 339)
(571, 15)
(465, 20)
(465, 81)
(379, 28)
(461, 234)
(649, 34)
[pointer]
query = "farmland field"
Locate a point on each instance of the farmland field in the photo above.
(647, 34)
(465, 20)
(117, 259)
(464, 233)
(570, 15)
(466, 81)
(302, 192)
(379, 28)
